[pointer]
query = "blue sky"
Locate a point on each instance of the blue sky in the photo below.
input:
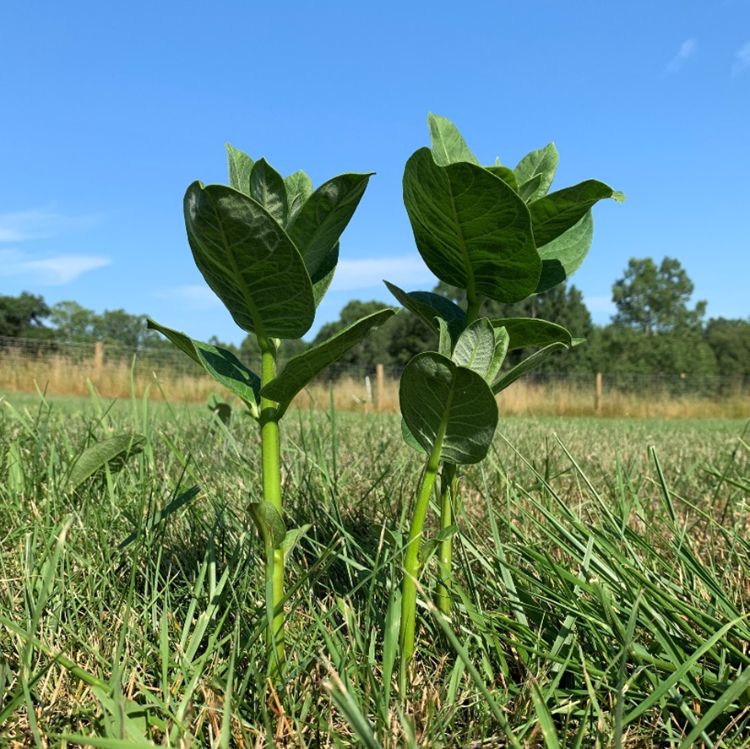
(109, 111)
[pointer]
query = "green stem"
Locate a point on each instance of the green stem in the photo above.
(411, 561)
(448, 492)
(473, 306)
(271, 453)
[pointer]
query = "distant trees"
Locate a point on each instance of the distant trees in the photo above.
(23, 316)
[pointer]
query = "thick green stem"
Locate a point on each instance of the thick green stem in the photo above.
(271, 452)
(448, 487)
(473, 307)
(411, 561)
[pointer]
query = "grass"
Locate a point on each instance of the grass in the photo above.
(603, 570)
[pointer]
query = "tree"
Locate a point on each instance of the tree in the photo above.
(654, 299)
(730, 342)
(72, 321)
(23, 316)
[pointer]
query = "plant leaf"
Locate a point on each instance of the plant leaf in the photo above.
(427, 306)
(559, 211)
(302, 368)
(448, 145)
(317, 226)
(505, 174)
(562, 256)
(445, 344)
(409, 438)
(525, 332)
(440, 398)
(94, 458)
(475, 347)
(292, 538)
(535, 172)
(221, 364)
(267, 187)
(471, 229)
(269, 522)
(249, 262)
(527, 365)
(502, 341)
(298, 189)
(240, 167)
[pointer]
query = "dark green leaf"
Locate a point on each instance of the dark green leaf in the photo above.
(559, 211)
(526, 332)
(472, 230)
(249, 262)
(240, 166)
(562, 256)
(427, 306)
(267, 187)
(298, 189)
(442, 402)
(409, 438)
(536, 171)
(448, 145)
(94, 458)
(527, 365)
(302, 368)
(317, 226)
(269, 522)
(221, 364)
(506, 175)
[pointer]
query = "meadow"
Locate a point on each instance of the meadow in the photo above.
(601, 597)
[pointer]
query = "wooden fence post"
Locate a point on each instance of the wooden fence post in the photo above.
(598, 394)
(379, 386)
(98, 359)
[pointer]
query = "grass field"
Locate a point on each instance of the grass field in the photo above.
(603, 597)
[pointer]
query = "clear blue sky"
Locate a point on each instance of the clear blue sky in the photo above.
(109, 110)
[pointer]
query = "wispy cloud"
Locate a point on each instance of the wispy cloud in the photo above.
(741, 59)
(684, 53)
(54, 270)
(368, 273)
(39, 223)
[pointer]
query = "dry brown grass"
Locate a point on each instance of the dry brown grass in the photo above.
(58, 375)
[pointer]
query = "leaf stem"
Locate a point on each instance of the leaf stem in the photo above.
(271, 454)
(448, 495)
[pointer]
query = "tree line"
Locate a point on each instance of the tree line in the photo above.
(654, 331)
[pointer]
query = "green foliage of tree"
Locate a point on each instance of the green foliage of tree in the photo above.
(654, 299)
(730, 342)
(23, 316)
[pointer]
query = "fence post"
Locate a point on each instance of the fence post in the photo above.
(98, 359)
(598, 394)
(379, 386)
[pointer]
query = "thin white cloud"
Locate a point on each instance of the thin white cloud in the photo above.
(684, 53)
(39, 223)
(368, 273)
(54, 270)
(741, 59)
(196, 296)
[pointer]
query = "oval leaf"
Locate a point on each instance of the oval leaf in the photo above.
(527, 332)
(94, 458)
(240, 167)
(302, 368)
(298, 189)
(536, 171)
(562, 256)
(267, 187)
(249, 262)
(221, 364)
(442, 402)
(471, 229)
(448, 145)
(427, 306)
(475, 347)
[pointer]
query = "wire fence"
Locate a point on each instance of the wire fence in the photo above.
(66, 367)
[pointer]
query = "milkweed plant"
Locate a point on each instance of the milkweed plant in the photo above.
(495, 233)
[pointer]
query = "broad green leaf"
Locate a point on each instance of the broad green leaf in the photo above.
(445, 344)
(318, 224)
(526, 332)
(427, 306)
(475, 348)
(506, 175)
(240, 166)
(535, 172)
(221, 364)
(249, 262)
(471, 229)
(298, 189)
(302, 368)
(559, 211)
(267, 187)
(447, 404)
(562, 256)
(94, 458)
(269, 522)
(527, 365)
(448, 145)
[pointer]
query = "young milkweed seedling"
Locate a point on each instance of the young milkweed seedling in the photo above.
(497, 234)
(268, 247)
